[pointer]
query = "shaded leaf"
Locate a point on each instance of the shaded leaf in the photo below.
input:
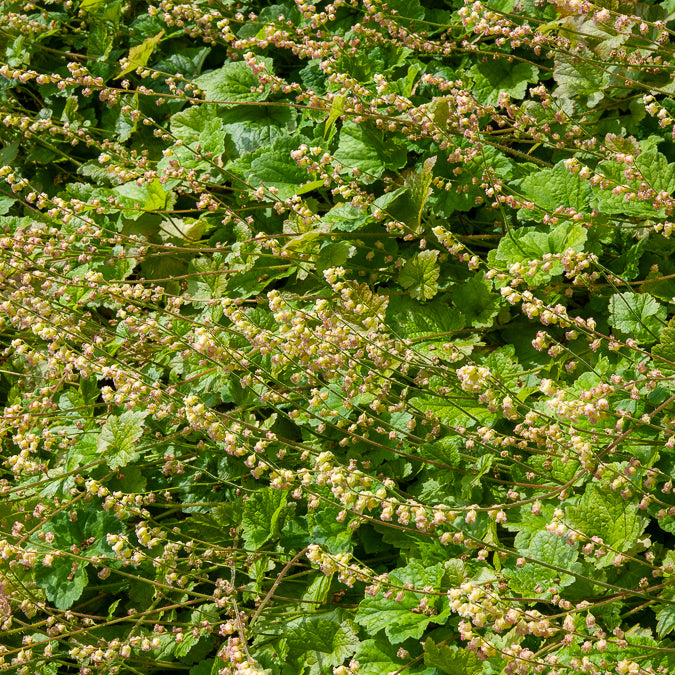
(638, 315)
(65, 579)
(475, 301)
(498, 75)
(666, 348)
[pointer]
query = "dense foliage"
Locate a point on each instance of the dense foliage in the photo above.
(337, 338)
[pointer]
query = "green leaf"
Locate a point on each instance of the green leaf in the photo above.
(500, 75)
(418, 184)
(121, 120)
(101, 39)
(273, 167)
(605, 513)
(557, 187)
(666, 348)
(83, 452)
(139, 55)
(188, 61)
(91, 5)
(63, 582)
(527, 243)
(253, 127)
(329, 638)
(202, 668)
(610, 204)
(277, 168)
(317, 591)
(199, 124)
(409, 319)
(504, 362)
(369, 150)
(639, 315)
(345, 218)
(396, 617)
(203, 139)
(336, 110)
(232, 83)
(472, 480)
(119, 436)
(578, 77)
(656, 171)
(112, 608)
(333, 255)
(627, 265)
(131, 479)
(188, 229)
(263, 517)
(666, 620)
(451, 660)
(66, 578)
(139, 198)
(452, 412)
(406, 204)
(218, 666)
(547, 548)
(188, 646)
(327, 531)
(455, 571)
(419, 275)
(475, 301)
(6, 204)
(377, 657)
(210, 278)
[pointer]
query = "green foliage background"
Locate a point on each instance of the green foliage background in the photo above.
(337, 338)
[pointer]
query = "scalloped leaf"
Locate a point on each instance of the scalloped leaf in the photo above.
(419, 275)
(118, 438)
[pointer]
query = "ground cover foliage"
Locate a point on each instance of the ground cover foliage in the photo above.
(337, 338)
